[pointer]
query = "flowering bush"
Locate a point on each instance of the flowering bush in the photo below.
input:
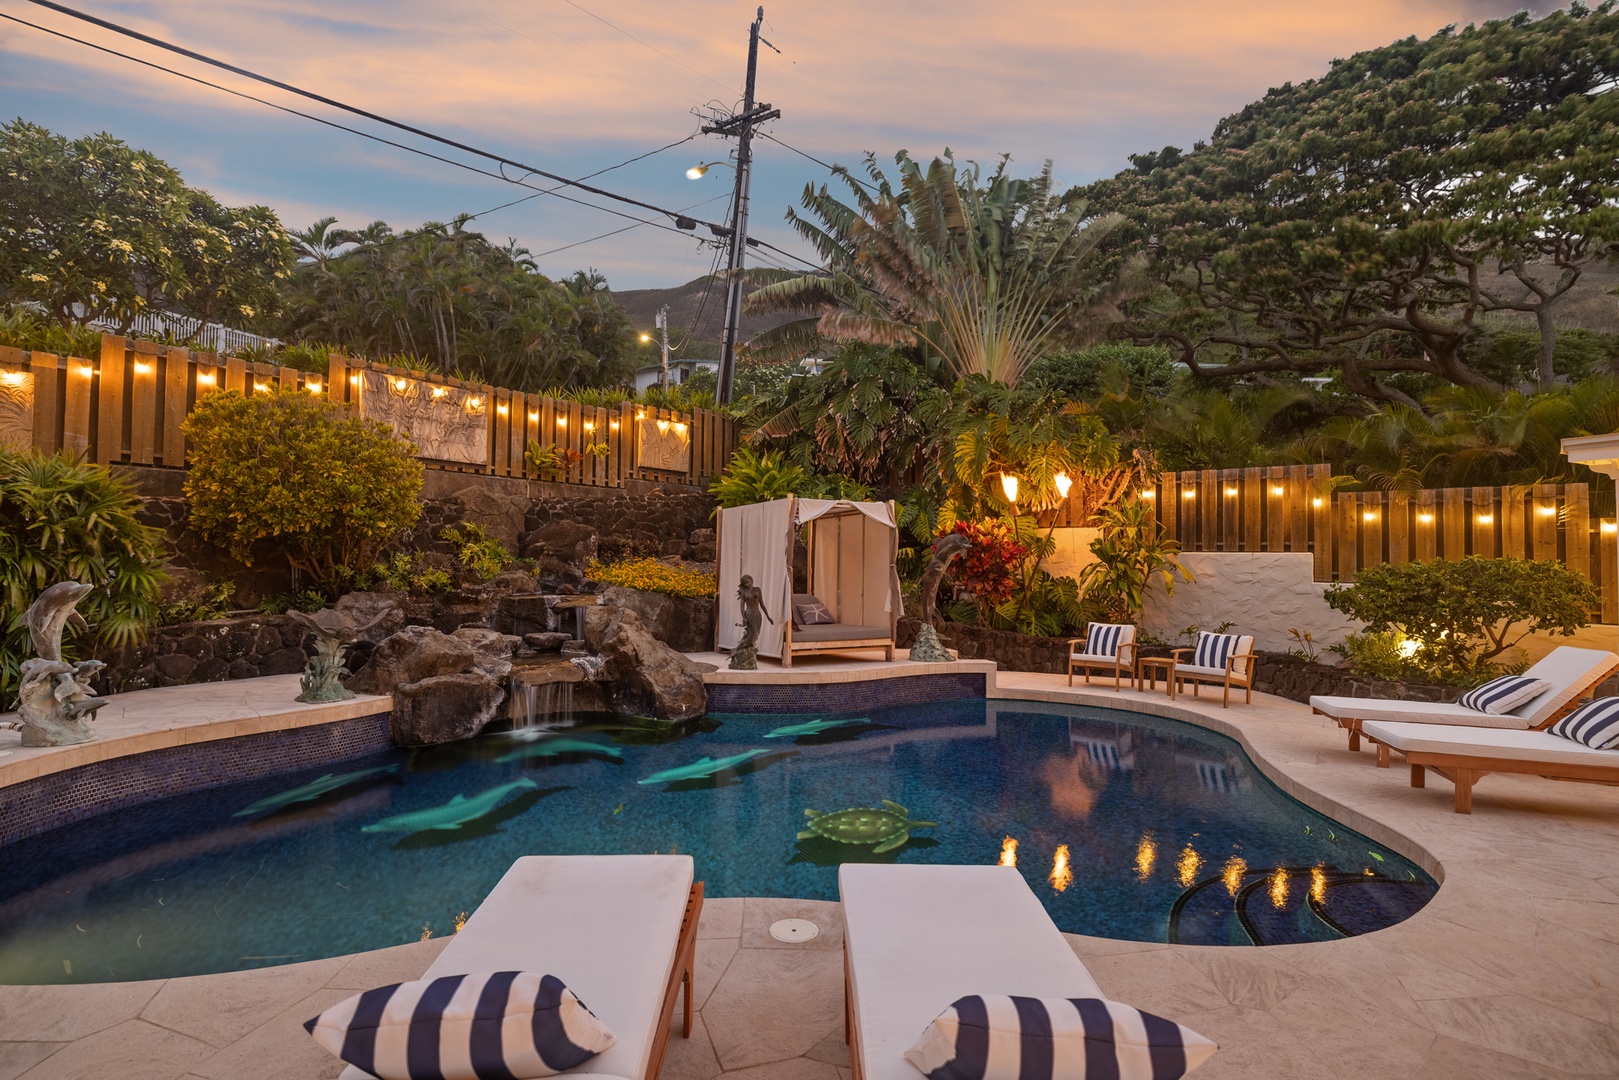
(651, 575)
(988, 568)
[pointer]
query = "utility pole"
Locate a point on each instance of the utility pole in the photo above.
(741, 125)
(663, 333)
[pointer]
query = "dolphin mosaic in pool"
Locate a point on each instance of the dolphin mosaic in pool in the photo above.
(704, 769)
(811, 727)
(452, 815)
(311, 791)
(1126, 826)
(556, 746)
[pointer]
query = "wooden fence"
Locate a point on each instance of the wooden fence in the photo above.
(1292, 509)
(127, 407)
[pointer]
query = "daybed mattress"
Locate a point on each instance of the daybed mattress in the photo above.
(839, 632)
(1488, 742)
(919, 937)
(607, 925)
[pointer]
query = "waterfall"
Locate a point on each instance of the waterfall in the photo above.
(542, 706)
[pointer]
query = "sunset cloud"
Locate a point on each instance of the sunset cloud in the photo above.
(549, 81)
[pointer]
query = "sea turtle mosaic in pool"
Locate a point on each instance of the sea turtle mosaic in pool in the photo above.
(1127, 826)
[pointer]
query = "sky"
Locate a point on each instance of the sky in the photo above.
(576, 86)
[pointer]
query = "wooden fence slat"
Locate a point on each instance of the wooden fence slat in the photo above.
(1453, 523)
(1516, 508)
(1255, 492)
(143, 403)
(47, 369)
(1398, 525)
(236, 375)
(1273, 497)
(500, 461)
(1298, 509)
(171, 446)
(109, 433)
(1607, 545)
(1223, 499)
(1426, 528)
(78, 419)
(1373, 517)
(1577, 524)
(1543, 529)
(1346, 512)
(1484, 522)
(1322, 534)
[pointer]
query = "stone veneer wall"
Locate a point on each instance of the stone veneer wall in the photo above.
(1265, 594)
(1014, 652)
(57, 799)
(241, 648)
(1298, 680)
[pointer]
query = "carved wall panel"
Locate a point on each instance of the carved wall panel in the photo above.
(445, 422)
(17, 409)
(662, 444)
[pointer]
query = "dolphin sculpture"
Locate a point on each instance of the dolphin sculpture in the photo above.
(452, 815)
(310, 791)
(701, 770)
(558, 746)
(49, 615)
(811, 727)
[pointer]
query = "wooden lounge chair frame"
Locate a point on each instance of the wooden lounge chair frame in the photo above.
(1119, 665)
(1465, 770)
(680, 978)
(1244, 682)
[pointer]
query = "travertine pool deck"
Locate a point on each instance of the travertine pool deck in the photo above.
(1512, 971)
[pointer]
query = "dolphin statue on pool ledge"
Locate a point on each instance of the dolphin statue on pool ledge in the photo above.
(701, 770)
(811, 727)
(452, 815)
(312, 790)
(556, 746)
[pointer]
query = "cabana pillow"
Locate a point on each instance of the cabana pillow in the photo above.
(512, 1025)
(1021, 1038)
(1596, 724)
(812, 612)
(1503, 695)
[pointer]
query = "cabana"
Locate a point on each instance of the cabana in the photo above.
(851, 551)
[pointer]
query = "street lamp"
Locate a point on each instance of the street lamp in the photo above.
(697, 172)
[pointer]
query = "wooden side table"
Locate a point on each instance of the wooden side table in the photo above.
(1149, 668)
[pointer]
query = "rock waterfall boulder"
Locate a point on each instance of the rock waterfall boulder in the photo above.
(645, 676)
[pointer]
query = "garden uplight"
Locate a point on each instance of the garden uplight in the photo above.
(663, 426)
(1009, 486)
(399, 384)
(1063, 482)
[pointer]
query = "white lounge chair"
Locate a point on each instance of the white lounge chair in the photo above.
(1105, 647)
(1572, 673)
(917, 937)
(619, 930)
(1227, 659)
(1464, 755)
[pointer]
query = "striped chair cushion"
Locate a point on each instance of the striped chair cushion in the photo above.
(1503, 695)
(510, 1025)
(1021, 1038)
(1596, 724)
(1104, 639)
(1213, 650)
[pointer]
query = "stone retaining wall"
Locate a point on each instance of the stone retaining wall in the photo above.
(1298, 680)
(212, 651)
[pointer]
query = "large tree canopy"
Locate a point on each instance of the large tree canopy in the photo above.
(92, 229)
(1359, 224)
(446, 294)
(986, 274)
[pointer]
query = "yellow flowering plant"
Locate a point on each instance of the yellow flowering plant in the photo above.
(651, 575)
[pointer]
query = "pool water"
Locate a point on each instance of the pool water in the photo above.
(1125, 825)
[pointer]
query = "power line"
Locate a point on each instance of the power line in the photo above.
(648, 44)
(718, 230)
(838, 170)
(529, 170)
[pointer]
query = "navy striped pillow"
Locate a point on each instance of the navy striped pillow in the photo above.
(1596, 724)
(1213, 650)
(503, 1025)
(1102, 639)
(1022, 1038)
(1503, 695)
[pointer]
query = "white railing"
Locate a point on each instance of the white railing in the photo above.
(161, 325)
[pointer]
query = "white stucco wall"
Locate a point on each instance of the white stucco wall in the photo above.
(1073, 551)
(1265, 594)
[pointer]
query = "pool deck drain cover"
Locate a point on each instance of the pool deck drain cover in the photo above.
(794, 930)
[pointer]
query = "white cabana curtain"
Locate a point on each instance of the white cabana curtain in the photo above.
(853, 569)
(755, 540)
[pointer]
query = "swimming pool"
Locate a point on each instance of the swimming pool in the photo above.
(1126, 825)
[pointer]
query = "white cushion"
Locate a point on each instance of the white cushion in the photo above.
(1000, 1037)
(1571, 672)
(503, 1025)
(1486, 742)
(1412, 712)
(607, 925)
(1209, 672)
(919, 937)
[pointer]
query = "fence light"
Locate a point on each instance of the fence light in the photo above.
(11, 378)
(1189, 493)
(1063, 482)
(663, 426)
(1230, 491)
(205, 378)
(1315, 502)
(534, 416)
(142, 367)
(474, 402)
(1426, 519)
(440, 391)
(612, 425)
(1149, 494)
(1278, 491)
(355, 379)
(400, 384)
(1546, 511)
(260, 386)
(562, 421)
(501, 409)
(1610, 527)
(680, 429)
(87, 371)
(590, 425)
(1485, 519)
(313, 386)
(1370, 515)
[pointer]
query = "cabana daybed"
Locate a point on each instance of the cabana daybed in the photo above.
(851, 548)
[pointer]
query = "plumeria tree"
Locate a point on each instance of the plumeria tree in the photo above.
(91, 228)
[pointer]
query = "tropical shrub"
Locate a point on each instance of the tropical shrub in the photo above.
(755, 477)
(62, 521)
(1131, 551)
(477, 551)
(1379, 655)
(650, 575)
(1464, 613)
(989, 568)
(291, 471)
(408, 572)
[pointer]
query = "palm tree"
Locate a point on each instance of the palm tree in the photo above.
(987, 275)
